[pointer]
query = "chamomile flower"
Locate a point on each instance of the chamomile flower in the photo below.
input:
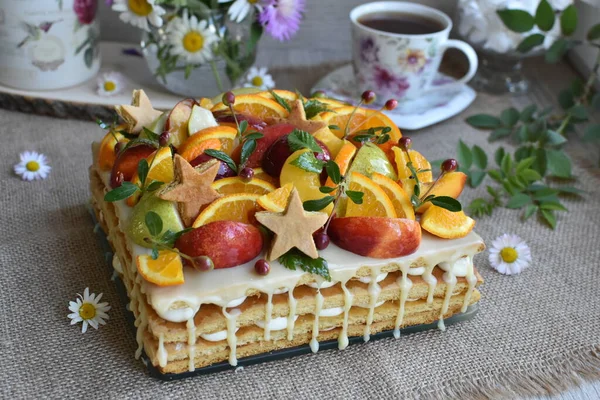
(191, 39)
(259, 78)
(87, 308)
(139, 12)
(32, 166)
(509, 254)
(241, 8)
(110, 83)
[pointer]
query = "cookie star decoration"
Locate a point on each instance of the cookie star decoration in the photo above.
(191, 188)
(297, 117)
(293, 228)
(139, 114)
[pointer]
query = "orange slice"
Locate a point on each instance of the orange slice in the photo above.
(235, 184)
(332, 103)
(217, 137)
(254, 105)
(161, 169)
(239, 207)
(362, 119)
(446, 224)
(375, 202)
(166, 270)
(450, 184)
(107, 155)
(343, 159)
(205, 102)
(418, 161)
(397, 195)
(259, 173)
(333, 143)
(284, 94)
(277, 200)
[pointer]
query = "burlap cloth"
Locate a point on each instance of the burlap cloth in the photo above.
(536, 333)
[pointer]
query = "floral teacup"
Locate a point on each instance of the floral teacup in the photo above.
(399, 65)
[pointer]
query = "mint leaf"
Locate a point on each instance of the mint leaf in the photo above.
(151, 135)
(484, 121)
(326, 189)
(154, 253)
(142, 170)
(254, 136)
(516, 20)
(313, 107)
(282, 102)
(318, 204)
(333, 171)
(122, 192)
(308, 162)
(295, 259)
(154, 185)
(447, 202)
(154, 223)
(298, 140)
(544, 16)
(356, 197)
(568, 20)
(219, 155)
(465, 157)
(248, 148)
(243, 127)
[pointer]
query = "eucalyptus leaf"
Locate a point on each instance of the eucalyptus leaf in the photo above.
(248, 148)
(318, 204)
(568, 20)
(447, 202)
(219, 155)
(517, 20)
(122, 192)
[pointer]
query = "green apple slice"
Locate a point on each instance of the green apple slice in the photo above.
(370, 159)
(201, 118)
(167, 210)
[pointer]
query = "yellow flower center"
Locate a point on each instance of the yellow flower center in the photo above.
(87, 311)
(109, 86)
(32, 166)
(257, 81)
(509, 255)
(193, 41)
(140, 7)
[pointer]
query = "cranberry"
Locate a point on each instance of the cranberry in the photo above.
(391, 104)
(203, 263)
(247, 173)
(321, 240)
(368, 96)
(163, 139)
(228, 98)
(405, 143)
(262, 267)
(449, 165)
(117, 179)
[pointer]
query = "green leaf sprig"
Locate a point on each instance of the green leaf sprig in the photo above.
(295, 259)
(377, 135)
(167, 240)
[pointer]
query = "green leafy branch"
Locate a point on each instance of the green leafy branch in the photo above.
(167, 240)
(248, 147)
(295, 259)
(377, 135)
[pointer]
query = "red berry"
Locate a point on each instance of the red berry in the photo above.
(449, 165)
(203, 263)
(391, 104)
(228, 98)
(262, 267)
(405, 143)
(321, 240)
(116, 179)
(368, 96)
(163, 139)
(247, 173)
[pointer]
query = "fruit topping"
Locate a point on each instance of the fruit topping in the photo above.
(370, 159)
(224, 170)
(239, 207)
(297, 117)
(200, 119)
(446, 224)
(166, 210)
(177, 122)
(226, 243)
(218, 137)
(246, 173)
(166, 270)
(161, 170)
(449, 184)
(237, 184)
(321, 239)
(191, 188)
(343, 160)
(110, 147)
(397, 195)
(270, 135)
(262, 267)
(349, 121)
(277, 200)
(419, 162)
(375, 236)
(126, 164)
(375, 202)
(280, 151)
(202, 263)
(255, 106)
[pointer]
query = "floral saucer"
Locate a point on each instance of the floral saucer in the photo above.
(430, 109)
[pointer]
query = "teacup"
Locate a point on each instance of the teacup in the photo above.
(401, 60)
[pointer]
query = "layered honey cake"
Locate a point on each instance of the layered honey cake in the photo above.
(263, 221)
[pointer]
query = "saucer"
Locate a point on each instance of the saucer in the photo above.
(428, 110)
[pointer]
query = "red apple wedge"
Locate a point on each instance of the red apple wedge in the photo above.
(227, 243)
(376, 237)
(177, 121)
(126, 164)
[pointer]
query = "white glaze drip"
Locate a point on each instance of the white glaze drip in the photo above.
(191, 328)
(231, 330)
(161, 353)
(472, 281)
(331, 312)
(449, 278)
(281, 290)
(369, 279)
(314, 343)
(276, 324)
(431, 283)
(405, 285)
(369, 305)
(374, 290)
(321, 284)
(236, 302)
(216, 336)
(417, 271)
(268, 312)
(292, 315)
(343, 336)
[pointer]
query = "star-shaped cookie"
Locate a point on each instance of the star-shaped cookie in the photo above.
(139, 114)
(191, 188)
(297, 117)
(293, 228)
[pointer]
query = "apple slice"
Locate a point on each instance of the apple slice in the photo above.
(376, 237)
(369, 159)
(199, 119)
(227, 243)
(158, 126)
(177, 122)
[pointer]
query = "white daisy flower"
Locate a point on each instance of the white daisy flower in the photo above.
(139, 12)
(509, 254)
(241, 8)
(32, 166)
(88, 309)
(259, 78)
(110, 83)
(191, 39)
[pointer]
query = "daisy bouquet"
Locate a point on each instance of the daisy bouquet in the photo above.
(188, 34)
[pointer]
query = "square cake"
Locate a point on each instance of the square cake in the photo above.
(252, 223)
